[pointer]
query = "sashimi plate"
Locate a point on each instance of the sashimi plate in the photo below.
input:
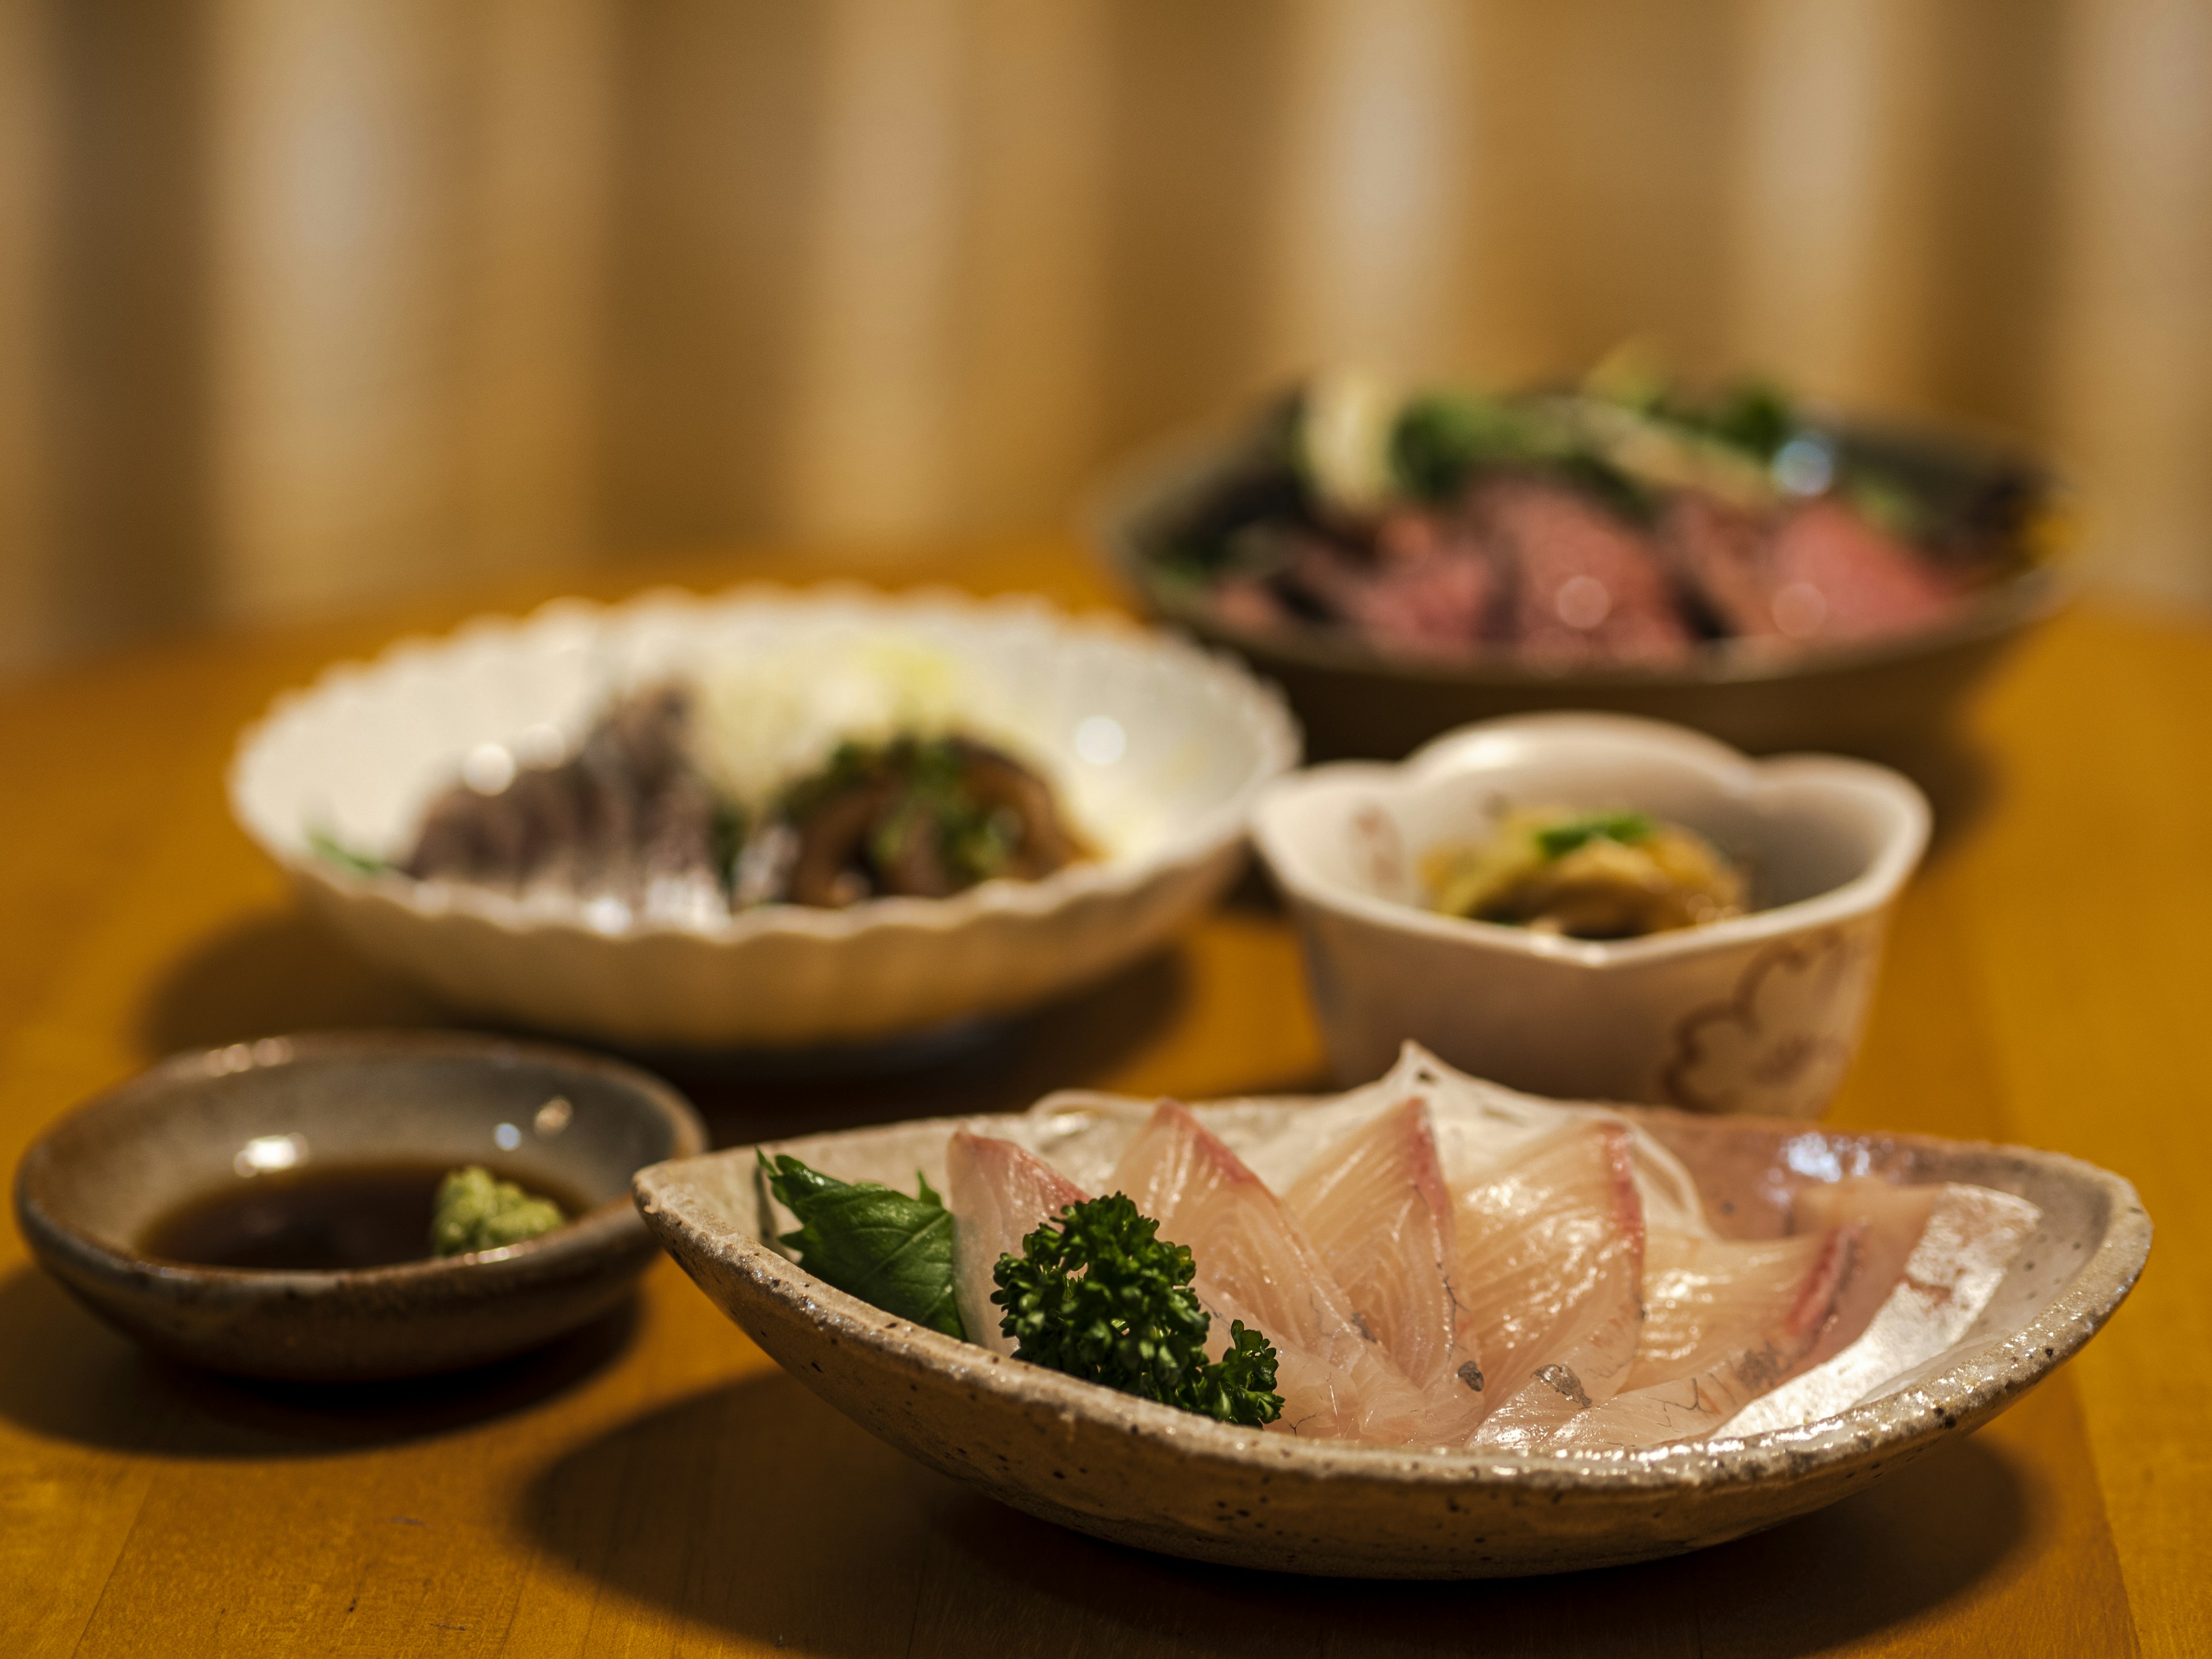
(1137, 1473)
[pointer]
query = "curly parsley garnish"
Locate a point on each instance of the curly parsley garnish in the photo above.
(1099, 1295)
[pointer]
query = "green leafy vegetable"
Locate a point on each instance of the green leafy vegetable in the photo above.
(475, 1210)
(891, 1251)
(1101, 1296)
(1626, 828)
(1439, 440)
(1888, 503)
(975, 840)
(1754, 415)
(328, 846)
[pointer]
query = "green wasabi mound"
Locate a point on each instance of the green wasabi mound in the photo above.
(475, 1210)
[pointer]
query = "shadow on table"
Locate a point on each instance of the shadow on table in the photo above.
(281, 972)
(1960, 779)
(65, 1375)
(746, 1507)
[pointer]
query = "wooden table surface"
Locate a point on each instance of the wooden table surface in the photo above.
(659, 1487)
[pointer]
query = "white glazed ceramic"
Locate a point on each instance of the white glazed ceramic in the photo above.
(1141, 1473)
(1761, 1014)
(1174, 744)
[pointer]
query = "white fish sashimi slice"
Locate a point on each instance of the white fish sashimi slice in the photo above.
(1255, 1263)
(1551, 1268)
(998, 1194)
(1971, 1236)
(1376, 1206)
(1705, 1299)
(1892, 1218)
(1688, 1406)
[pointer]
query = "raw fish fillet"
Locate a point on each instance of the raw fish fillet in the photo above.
(1376, 1206)
(998, 1194)
(1729, 1365)
(1891, 1218)
(1255, 1263)
(1551, 1267)
(1705, 1298)
(1971, 1235)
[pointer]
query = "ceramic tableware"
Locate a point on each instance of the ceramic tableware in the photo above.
(1156, 747)
(89, 1190)
(1126, 1469)
(1759, 1013)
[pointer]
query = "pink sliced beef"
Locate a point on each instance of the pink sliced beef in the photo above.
(1586, 587)
(1820, 572)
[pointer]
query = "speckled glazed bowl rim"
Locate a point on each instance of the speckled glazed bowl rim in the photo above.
(1460, 752)
(606, 1227)
(1118, 508)
(1274, 735)
(1967, 1392)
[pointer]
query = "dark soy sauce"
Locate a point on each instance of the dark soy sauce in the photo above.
(316, 1220)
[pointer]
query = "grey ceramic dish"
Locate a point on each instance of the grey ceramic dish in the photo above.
(1126, 1469)
(87, 1191)
(1882, 698)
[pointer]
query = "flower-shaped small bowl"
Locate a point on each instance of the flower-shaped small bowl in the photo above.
(1157, 747)
(1759, 1013)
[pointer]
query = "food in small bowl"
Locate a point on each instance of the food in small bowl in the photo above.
(1429, 1328)
(769, 820)
(1608, 874)
(1404, 560)
(353, 1207)
(1756, 1010)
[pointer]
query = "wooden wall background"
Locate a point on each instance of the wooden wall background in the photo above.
(305, 301)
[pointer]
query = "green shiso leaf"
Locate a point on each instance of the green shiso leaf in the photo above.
(891, 1251)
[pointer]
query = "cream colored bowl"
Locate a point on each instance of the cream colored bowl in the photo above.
(1761, 1014)
(1141, 1473)
(1157, 747)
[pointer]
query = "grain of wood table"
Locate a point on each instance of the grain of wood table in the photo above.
(659, 1487)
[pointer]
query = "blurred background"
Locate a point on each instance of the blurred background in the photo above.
(309, 303)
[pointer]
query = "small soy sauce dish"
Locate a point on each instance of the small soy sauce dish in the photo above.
(265, 1209)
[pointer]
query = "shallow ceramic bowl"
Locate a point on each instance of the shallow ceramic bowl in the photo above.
(89, 1190)
(1126, 1469)
(1157, 749)
(1882, 697)
(1759, 1013)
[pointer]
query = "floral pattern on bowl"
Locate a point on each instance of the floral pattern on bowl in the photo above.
(1759, 1013)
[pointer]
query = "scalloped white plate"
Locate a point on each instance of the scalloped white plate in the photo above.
(1177, 742)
